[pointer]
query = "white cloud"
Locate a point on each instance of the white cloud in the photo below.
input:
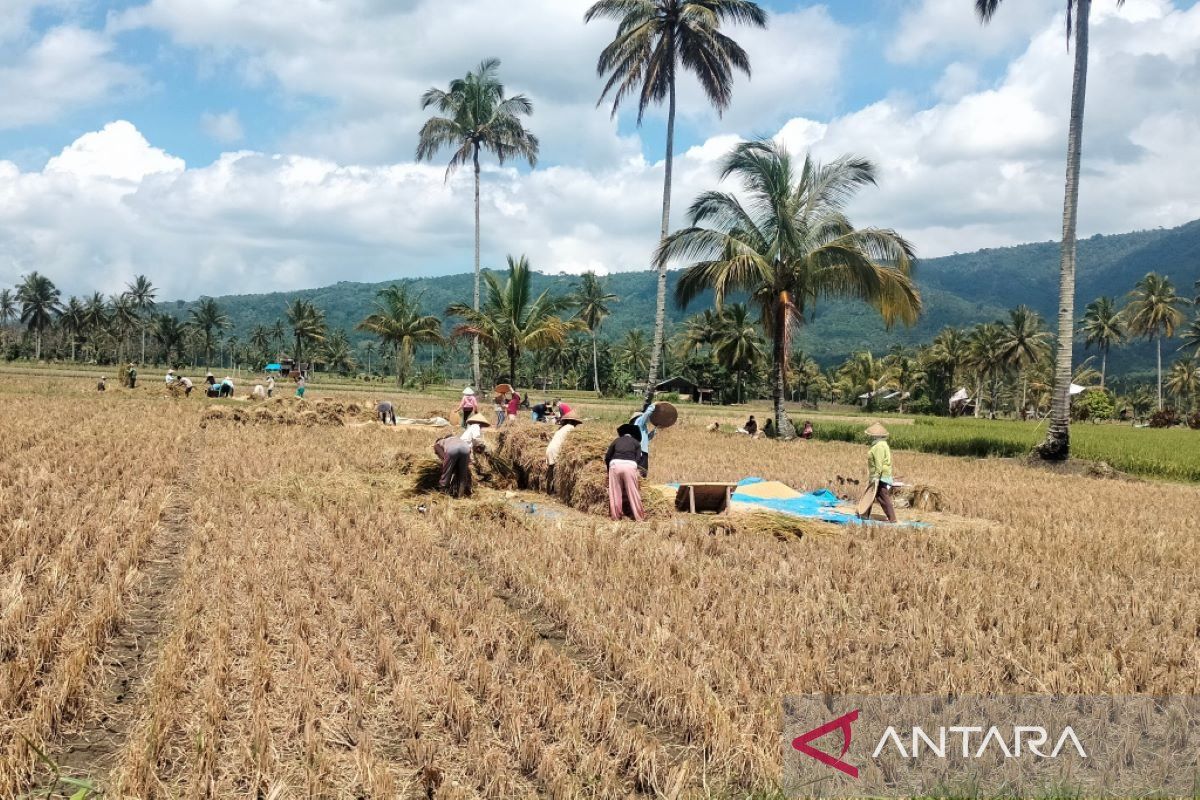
(982, 167)
(372, 59)
(66, 69)
(223, 128)
(934, 28)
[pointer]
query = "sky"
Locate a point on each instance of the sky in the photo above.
(233, 146)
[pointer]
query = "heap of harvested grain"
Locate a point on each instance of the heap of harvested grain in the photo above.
(580, 477)
(918, 496)
(284, 411)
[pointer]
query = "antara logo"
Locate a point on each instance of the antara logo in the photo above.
(842, 723)
(1023, 740)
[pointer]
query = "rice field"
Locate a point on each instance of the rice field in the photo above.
(221, 604)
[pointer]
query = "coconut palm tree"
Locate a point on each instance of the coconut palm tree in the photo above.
(789, 245)
(142, 293)
(946, 358)
(8, 312)
(1058, 435)
(1024, 341)
(124, 320)
(1153, 312)
(73, 322)
(1183, 382)
(39, 299)
(903, 370)
(307, 323)
(654, 39)
(1103, 327)
(337, 354)
(592, 300)
(634, 352)
(400, 325)
(208, 320)
(369, 350)
(511, 318)
(170, 335)
(1191, 337)
(738, 344)
(986, 347)
(478, 118)
(260, 340)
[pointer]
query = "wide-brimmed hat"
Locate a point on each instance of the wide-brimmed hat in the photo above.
(629, 429)
(468, 391)
(170, 372)
(503, 388)
(478, 419)
(571, 418)
(877, 431)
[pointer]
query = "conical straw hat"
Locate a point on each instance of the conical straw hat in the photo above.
(877, 431)
(478, 419)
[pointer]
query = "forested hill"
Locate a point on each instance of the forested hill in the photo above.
(959, 290)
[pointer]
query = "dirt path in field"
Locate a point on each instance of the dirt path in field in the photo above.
(130, 654)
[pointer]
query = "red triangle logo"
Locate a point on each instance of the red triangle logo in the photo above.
(842, 723)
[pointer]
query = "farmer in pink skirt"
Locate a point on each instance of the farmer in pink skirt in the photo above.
(622, 462)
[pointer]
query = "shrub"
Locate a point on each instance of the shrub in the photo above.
(1167, 418)
(1095, 405)
(1193, 421)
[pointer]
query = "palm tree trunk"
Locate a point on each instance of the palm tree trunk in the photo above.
(1058, 437)
(595, 366)
(513, 356)
(143, 346)
(1103, 365)
(37, 339)
(475, 303)
(979, 396)
(660, 309)
(1158, 346)
(783, 425)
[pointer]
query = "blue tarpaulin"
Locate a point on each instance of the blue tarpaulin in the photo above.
(820, 505)
(273, 368)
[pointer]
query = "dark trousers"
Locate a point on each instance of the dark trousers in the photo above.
(387, 416)
(456, 468)
(883, 496)
(643, 463)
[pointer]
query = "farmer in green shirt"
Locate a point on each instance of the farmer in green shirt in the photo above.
(879, 466)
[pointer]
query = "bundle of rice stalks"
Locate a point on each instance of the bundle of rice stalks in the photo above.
(918, 496)
(781, 526)
(523, 447)
(222, 414)
(426, 473)
(580, 477)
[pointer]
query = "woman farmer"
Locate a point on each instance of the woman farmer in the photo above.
(879, 467)
(455, 453)
(622, 462)
(468, 405)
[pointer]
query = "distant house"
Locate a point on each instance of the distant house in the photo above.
(681, 386)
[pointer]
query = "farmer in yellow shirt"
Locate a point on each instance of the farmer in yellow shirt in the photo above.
(879, 466)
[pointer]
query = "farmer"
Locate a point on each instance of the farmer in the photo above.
(514, 405)
(642, 421)
(227, 387)
(879, 466)
(561, 408)
(186, 383)
(170, 379)
(622, 462)
(468, 405)
(102, 384)
(540, 411)
(386, 412)
(301, 386)
(455, 452)
(751, 426)
(270, 385)
(566, 424)
(131, 376)
(500, 408)
(769, 429)
(210, 381)
(259, 392)
(807, 431)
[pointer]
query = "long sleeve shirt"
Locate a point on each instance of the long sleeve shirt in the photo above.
(624, 448)
(642, 422)
(472, 434)
(556, 443)
(879, 462)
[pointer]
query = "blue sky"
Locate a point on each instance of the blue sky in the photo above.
(230, 146)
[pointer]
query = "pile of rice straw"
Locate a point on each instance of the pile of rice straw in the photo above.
(284, 411)
(918, 496)
(580, 477)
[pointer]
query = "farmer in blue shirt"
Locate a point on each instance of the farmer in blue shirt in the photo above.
(642, 421)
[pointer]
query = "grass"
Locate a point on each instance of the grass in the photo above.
(1154, 453)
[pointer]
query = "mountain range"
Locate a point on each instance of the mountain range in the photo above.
(959, 290)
